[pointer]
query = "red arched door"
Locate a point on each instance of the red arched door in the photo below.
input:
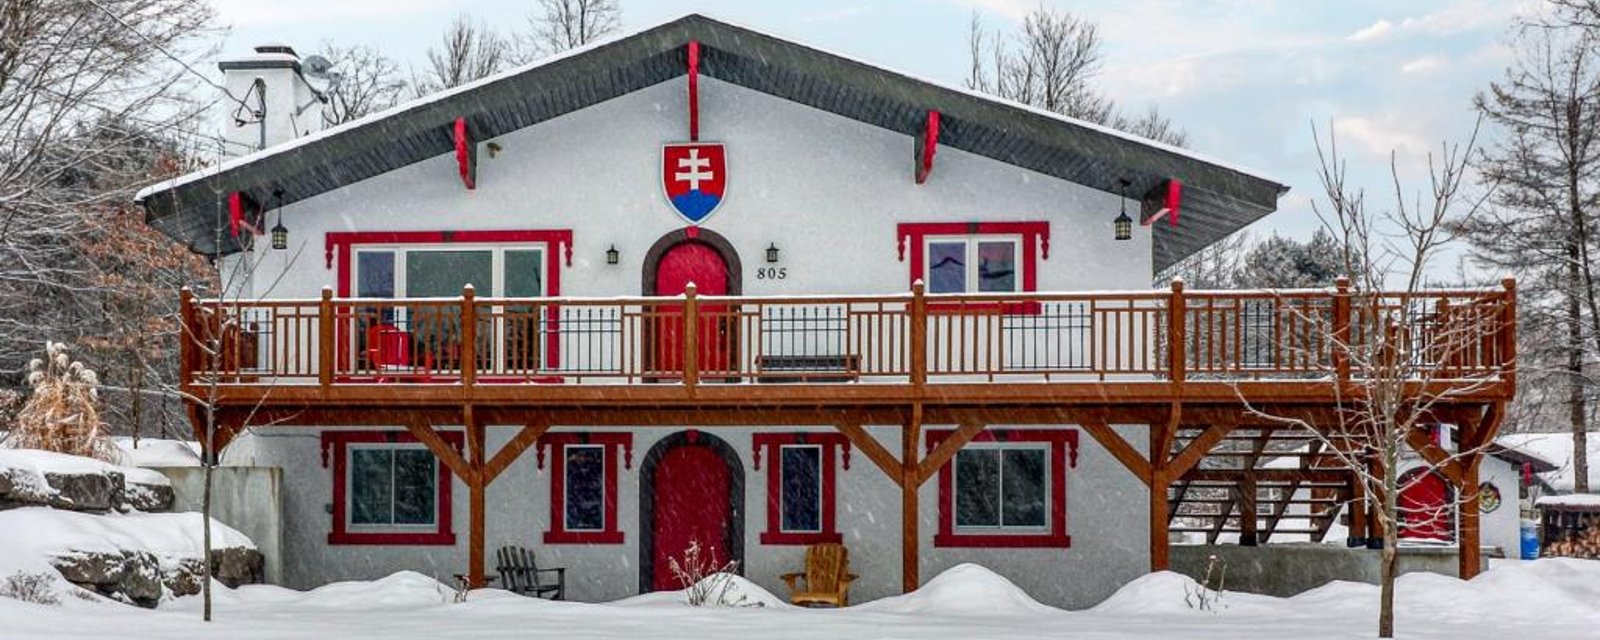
(1425, 507)
(701, 264)
(691, 485)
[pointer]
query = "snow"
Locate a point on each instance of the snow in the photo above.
(1549, 599)
(1590, 500)
(156, 452)
(741, 592)
(1557, 448)
(29, 466)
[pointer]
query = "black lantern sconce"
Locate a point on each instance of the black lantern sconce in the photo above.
(280, 233)
(612, 256)
(1123, 223)
(772, 253)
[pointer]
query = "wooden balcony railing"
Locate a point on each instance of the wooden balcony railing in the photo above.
(911, 338)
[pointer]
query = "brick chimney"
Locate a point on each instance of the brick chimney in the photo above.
(278, 104)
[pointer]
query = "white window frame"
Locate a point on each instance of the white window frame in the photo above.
(566, 487)
(821, 499)
(350, 489)
(972, 262)
(1002, 528)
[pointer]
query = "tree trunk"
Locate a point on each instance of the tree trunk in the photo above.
(1577, 411)
(1580, 240)
(207, 463)
(1391, 539)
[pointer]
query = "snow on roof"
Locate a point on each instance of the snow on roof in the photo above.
(1571, 500)
(457, 90)
(1557, 449)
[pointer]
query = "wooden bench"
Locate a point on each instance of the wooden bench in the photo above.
(826, 368)
(520, 573)
(827, 577)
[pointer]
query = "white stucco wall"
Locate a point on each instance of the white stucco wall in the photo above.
(827, 190)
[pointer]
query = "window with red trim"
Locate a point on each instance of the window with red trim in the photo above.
(1006, 488)
(388, 488)
(801, 486)
(975, 257)
(583, 485)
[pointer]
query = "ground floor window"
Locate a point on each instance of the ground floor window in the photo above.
(583, 486)
(388, 488)
(1007, 488)
(801, 485)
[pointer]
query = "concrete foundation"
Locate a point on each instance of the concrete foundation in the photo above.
(249, 499)
(1287, 569)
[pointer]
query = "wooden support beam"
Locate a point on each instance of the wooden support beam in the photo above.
(924, 146)
(947, 450)
(910, 434)
(1161, 438)
(477, 486)
(694, 90)
(1247, 512)
(1198, 448)
(425, 434)
(1375, 524)
(1439, 459)
(508, 454)
(874, 451)
(1119, 448)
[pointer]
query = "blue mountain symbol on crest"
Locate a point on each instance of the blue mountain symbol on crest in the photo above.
(696, 204)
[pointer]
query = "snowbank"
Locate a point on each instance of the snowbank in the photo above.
(965, 589)
(740, 593)
(156, 452)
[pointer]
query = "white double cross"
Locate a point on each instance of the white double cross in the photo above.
(697, 170)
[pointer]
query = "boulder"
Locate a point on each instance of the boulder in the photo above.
(140, 578)
(185, 578)
(148, 497)
(91, 569)
(237, 565)
(97, 492)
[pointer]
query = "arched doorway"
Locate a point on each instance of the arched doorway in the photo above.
(691, 488)
(1426, 506)
(708, 260)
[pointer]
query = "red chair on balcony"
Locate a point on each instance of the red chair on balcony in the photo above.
(389, 352)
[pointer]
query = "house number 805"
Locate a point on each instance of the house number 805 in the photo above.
(772, 273)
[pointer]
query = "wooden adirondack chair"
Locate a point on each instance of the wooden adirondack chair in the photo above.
(519, 573)
(827, 577)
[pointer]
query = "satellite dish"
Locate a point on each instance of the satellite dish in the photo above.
(316, 66)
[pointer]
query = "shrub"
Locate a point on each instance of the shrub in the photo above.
(63, 412)
(704, 582)
(38, 588)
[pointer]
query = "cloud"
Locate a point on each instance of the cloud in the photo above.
(1376, 31)
(1381, 135)
(1008, 9)
(1424, 64)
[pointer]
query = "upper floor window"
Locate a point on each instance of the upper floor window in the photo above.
(411, 272)
(975, 257)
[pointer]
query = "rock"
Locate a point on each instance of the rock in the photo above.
(237, 565)
(185, 578)
(148, 497)
(91, 567)
(141, 579)
(86, 492)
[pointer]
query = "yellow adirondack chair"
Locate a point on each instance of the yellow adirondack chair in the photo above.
(827, 577)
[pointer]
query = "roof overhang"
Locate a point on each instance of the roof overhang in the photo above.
(1218, 198)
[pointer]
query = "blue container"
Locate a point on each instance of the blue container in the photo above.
(1530, 539)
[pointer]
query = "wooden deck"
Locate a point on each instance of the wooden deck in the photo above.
(1184, 364)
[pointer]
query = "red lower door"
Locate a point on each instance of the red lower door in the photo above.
(1425, 507)
(692, 489)
(682, 264)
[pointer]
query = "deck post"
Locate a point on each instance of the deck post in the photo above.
(1247, 511)
(910, 433)
(919, 334)
(1508, 335)
(186, 338)
(325, 339)
(1160, 549)
(477, 486)
(469, 336)
(691, 338)
(1341, 328)
(1470, 549)
(1375, 525)
(1177, 338)
(1358, 513)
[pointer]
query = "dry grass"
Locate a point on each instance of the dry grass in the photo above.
(704, 581)
(30, 587)
(63, 412)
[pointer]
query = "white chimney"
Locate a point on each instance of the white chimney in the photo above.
(278, 105)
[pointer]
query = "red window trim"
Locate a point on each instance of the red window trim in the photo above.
(1063, 456)
(339, 244)
(555, 443)
(770, 445)
(1035, 244)
(335, 445)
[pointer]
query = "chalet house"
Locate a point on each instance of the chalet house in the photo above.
(699, 283)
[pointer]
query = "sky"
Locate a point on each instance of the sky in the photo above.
(1246, 79)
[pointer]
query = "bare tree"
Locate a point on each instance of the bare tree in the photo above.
(1397, 345)
(363, 81)
(80, 82)
(1051, 64)
(1216, 266)
(559, 25)
(1543, 224)
(468, 51)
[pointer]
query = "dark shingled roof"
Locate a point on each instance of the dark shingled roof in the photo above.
(1218, 199)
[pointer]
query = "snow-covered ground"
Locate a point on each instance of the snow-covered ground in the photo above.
(1551, 599)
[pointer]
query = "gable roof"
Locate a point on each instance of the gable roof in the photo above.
(1218, 199)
